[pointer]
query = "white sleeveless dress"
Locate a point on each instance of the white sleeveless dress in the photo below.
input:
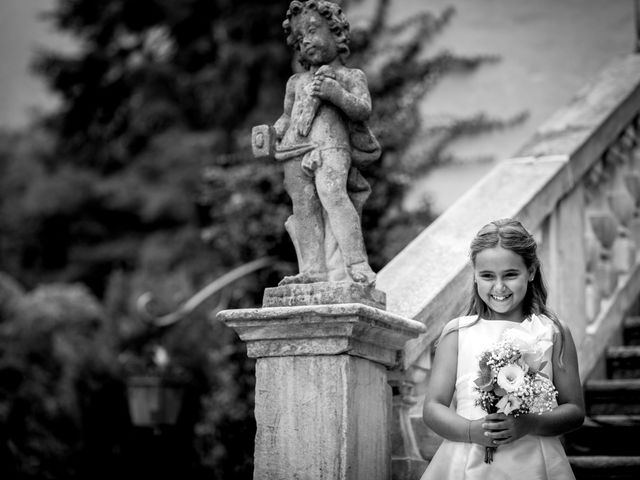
(531, 457)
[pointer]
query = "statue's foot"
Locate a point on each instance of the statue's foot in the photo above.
(304, 277)
(362, 273)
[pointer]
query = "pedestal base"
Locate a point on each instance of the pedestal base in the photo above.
(322, 417)
(323, 403)
(323, 293)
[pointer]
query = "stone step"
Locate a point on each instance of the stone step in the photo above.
(623, 361)
(601, 467)
(612, 397)
(605, 435)
(631, 331)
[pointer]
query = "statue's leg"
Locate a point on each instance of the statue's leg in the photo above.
(336, 267)
(358, 189)
(305, 225)
(331, 184)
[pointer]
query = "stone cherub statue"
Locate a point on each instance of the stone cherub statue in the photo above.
(322, 139)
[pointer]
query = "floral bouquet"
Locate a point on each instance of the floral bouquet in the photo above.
(510, 379)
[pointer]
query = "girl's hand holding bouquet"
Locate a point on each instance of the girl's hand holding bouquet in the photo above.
(511, 383)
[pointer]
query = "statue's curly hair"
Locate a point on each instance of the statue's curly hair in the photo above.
(331, 12)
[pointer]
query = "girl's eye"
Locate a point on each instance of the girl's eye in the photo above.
(486, 276)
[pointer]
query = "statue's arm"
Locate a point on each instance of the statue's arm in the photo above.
(282, 124)
(353, 98)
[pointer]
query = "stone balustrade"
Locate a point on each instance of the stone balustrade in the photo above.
(576, 184)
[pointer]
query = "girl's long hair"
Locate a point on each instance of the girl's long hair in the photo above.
(511, 235)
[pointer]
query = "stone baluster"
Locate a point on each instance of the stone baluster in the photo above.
(592, 298)
(623, 249)
(407, 462)
(562, 250)
(628, 139)
(621, 201)
(408, 389)
(632, 181)
(593, 248)
(609, 207)
(593, 294)
(634, 153)
(603, 223)
(605, 227)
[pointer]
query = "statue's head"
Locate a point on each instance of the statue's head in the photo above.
(317, 15)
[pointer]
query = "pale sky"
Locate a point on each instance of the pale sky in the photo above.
(21, 33)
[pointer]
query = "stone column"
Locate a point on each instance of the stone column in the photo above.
(322, 401)
(566, 262)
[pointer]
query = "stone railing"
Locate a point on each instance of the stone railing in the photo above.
(576, 184)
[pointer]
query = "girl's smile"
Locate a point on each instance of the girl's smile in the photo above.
(501, 298)
(502, 280)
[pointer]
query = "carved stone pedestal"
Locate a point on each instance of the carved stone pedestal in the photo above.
(323, 293)
(322, 401)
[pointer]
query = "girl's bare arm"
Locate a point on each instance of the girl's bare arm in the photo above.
(437, 413)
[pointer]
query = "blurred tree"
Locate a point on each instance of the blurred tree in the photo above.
(156, 88)
(109, 191)
(106, 192)
(58, 377)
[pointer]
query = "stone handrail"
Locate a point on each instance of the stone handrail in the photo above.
(576, 184)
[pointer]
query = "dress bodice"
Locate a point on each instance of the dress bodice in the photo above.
(477, 335)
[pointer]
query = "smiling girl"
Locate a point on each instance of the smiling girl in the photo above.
(508, 292)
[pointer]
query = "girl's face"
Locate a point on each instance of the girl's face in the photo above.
(502, 279)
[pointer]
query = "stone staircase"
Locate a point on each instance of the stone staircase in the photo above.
(607, 446)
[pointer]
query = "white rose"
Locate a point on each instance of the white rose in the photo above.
(532, 347)
(511, 377)
(533, 358)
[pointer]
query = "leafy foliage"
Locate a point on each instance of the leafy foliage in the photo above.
(55, 368)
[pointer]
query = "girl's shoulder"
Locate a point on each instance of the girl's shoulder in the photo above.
(457, 323)
(554, 324)
(555, 329)
(467, 320)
